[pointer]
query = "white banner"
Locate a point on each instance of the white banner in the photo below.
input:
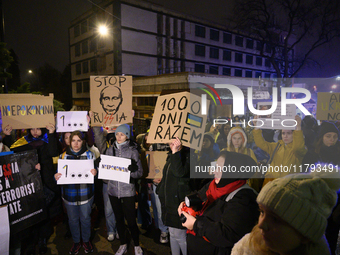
(72, 121)
(4, 230)
(75, 171)
(114, 168)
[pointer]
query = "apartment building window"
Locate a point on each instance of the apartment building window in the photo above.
(268, 48)
(214, 35)
(78, 69)
(77, 50)
(227, 55)
(91, 23)
(85, 47)
(93, 45)
(239, 41)
(257, 74)
(86, 87)
(85, 66)
(267, 62)
(76, 30)
(214, 53)
(226, 71)
(83, 27)
(200, 50)
(79, 87)
(93, 65)
(258, 45)
(267, 75)
(249, 59)
(249, 74)
(238, 72)
(250, 44)
(259, 61)
(213, 69)
(200, 31)
(227, 38)
(238, 57)
(199, 68)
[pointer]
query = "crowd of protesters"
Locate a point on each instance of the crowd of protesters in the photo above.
(277, 213)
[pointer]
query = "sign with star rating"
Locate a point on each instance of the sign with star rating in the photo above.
(72, 121)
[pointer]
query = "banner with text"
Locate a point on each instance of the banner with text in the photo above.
(111, 100)
(179, 115)
(328, 106)
(75, 171)
(22, 111)
(21, 189)
(114, 168)
(71, 121)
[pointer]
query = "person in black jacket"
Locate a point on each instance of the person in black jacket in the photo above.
(175, 184)
(229, 209)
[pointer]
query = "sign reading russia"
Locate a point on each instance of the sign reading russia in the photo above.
(179, 115)
(26, 110)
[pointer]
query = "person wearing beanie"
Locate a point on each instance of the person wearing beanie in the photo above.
(288, 151)
(122, 195)
(293, 216)
(222, 139)
(326, 151)
(229, 208)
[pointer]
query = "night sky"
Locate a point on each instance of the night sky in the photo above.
(38, 31)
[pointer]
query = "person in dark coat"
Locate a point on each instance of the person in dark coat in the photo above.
(229, 209)
(326, 151)
(172, 189)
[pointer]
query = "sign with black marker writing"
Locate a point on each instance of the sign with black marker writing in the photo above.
(111, 100)
(26, 110)
(71, 121)
(328, 106)
(75, 171)
(178, 115)
(114, 168)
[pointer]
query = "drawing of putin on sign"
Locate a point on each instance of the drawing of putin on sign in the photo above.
(111, 99)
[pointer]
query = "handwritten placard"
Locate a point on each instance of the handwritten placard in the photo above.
(71, 121)
(328, 106)
(75, 171)
(178, 115)
(276, 120)
(111, 100)
(156, 161)
(114, 168)
(26, 110)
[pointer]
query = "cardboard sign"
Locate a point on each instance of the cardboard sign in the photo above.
(276, 120)
(72, 121)
(75, 171)
(114, 168)
(23, 111)
(328, 106)
(4, 230)
(111, 100)
(178, 115)
(156, 161)
(22, 190)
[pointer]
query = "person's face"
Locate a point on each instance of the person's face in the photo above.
(111, 100)
(76, 143)
(36, 132)
(206, 143)
(330, 138)
(277, 234)
(120, 137)
(218, 171)
(67, 138)
(226, 129)
(236, 140)
(287, 136)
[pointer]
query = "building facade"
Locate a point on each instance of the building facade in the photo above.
(148, 40)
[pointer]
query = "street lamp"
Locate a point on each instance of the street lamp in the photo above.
(103, 30)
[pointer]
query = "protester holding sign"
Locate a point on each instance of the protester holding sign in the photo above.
(286, 155)
(122, 195)
(78, 198)
(45, 142)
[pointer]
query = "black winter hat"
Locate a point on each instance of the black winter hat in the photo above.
(326, 127)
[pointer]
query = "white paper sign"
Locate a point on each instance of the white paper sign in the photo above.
(114, 168)
(4, 231)
(75, 171)
(71, 121)
(276, 120)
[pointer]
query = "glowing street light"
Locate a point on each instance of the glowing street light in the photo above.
(103, 30)
(30, 71)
